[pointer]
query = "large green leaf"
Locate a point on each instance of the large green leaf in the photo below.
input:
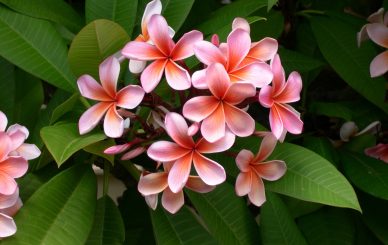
(65, 107)
(226, 215)
(96, 41)
(57, 11)
(176, 12)
(295, 61)
(99, 147)
(7, 87)
(180, 228)
(337, 42)
(321, 146)
(108, 227)
(271, 3)
(276, 223)
(331, 109)
(60, 212)
(35, 46)
(368, 174)
(63, 140)
(122, 12)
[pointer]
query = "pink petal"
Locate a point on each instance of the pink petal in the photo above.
(7, 201)
(158, 31)
(142, 51)
(117, 149)
(379, 65)
(238, 92)
(153, 7)
(91, 89)
(113, 123)
(267, 146)
(215, 40)
(184, 48)
(198, 79)
(217, 80)
(257, 193)
(278, 74)
(166, 151)
(15, 167)
(3, 121)
(133, 153)
(153, 183)
(208, 53)
(109, 71)
(7, 184)
(266, 97)
(238, 121)
(223, 144)
(244, 159)
(5, 146)
(130, 96)
(208, 170)
(378, 33)
(17, 128)
(264, 50)
(11, 211)
(271, 170)
(291, 118)
(243, 183)
(171, 201)
(152, 201)
(7, 226)
(177, 77)
(195, 183)
(258, 74)
(92, 117)
(151, 76)
(17, 139)
(291, 91)
(176, 127)
(239, 43)
(193, 129)
(179, 173)
(136, 66)
(377, 17)
(276, 122)
(379, 151)
(213, 127)
(362, 35)
(241, 23)
(199, 108)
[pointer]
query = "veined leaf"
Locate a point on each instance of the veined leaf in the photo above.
(63, 108)
(271, 3)
(99, 147)
(176, 12)
(323, 147)
(7, 87)
(295, 61)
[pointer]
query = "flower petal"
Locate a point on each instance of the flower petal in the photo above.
(208, 170)
(151, 76)
(17, 139)
(241, 23)
(177, 77)
(153, 183)
(7, 184)
(136, 66)
(379, 151)
(153, 7)
(166, 151)
(257, 193)
(109, 71)
(238, 121)
(130, 96)
(278, 75)
(195, 183)
(198, 79)
(7, 201)
(15, 167)
(267, 146)
(275, 122)
(176, 128)
(152, 201)
(208, 53)
(290, 118)
(223, 144)
(217, 80)
(239, 43)
(142, 51)
(184, 48)
(379, 65)
(258, 74)
(92, 117)
(243, 183)
(199, 108)
(171, 201)
(244, 159)
(378, 33)
(271, 170)
(7, 226)
(133, 153)
(179, 173)
(264, 50)
(91, 89)
(362, 35)
(238, 92)
(113, 123)
(3, 121)
(265, 96)
(159, 34)
(5, 146)
(11, 211)
(292, 88)
(376, 17)
(213, 127)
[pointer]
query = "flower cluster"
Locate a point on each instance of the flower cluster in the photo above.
(213, 110)
(14, 156)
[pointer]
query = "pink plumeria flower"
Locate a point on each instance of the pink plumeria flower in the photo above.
(165, 55)
(128, 98)
(255, 168)
(378, 33)
(7, 224)
(185, 151)
(282, 117)
(377, 17)
(350, 129)
(218, 112)
(379, 151)
(150, 185)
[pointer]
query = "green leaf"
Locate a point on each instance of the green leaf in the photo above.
(122, 12)
(271, 3)
(337, 42)
(57, 11)
(60, 212)
(310, 177)
(328, 226)
(295, 61)
(7, 87)
(96, 41)
(323, 147)
(63, 140)
(63, 108)
(176, 12)
(331, 109)
(368, 174)
(98, 149)
(35, 46)
(298, 208)
(226, 215)
(108, 227)
(276, 223)
(273, 25)
(180, 228)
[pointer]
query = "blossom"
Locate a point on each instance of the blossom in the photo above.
(377, 17)
(218, 112)
(165, 55)
(349, 129)
(151, 184)
(255, 168)
(184, 151)
(378, 33)
(128, 97)
(9, 205)
(282, 117)
(379, 151)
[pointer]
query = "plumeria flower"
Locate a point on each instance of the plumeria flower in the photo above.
(350, 129)
(255, 168)
(231, 55)
(378, 33)
(379, 151)
(9, 205)
(282, 117)
(185, 151)
(151, 184)
(153, 7)
(218, 112)
(165, 55)
(377, 17)
(128, 98)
